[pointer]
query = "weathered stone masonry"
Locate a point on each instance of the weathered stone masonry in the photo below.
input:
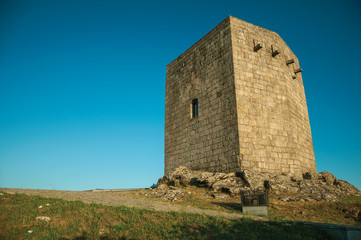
(251, 103)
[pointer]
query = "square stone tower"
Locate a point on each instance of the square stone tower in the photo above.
(235, 100)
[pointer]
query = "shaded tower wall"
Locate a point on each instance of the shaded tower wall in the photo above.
(204, 72)
(273, 123)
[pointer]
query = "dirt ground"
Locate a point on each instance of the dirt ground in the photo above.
(123, 197)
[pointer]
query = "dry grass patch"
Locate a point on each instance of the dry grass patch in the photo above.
(346, 211)
(78, 220)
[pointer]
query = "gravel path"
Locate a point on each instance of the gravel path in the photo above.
(120, 197)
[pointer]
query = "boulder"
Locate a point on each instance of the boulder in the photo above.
(183, 174)
(310, 176)
(216, 177)
(229, 186)
(327, 177)
(204, 176)
(323, 186)
(168, 193)
(254, 179)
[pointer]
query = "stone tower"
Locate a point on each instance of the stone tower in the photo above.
(235, 100)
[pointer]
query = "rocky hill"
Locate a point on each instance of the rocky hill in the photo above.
(323, 186)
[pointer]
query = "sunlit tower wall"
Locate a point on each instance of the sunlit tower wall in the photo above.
(235, 100)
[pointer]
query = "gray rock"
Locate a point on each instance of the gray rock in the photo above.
(204, 175)
(220, 195)
(327, 177)
(323, 186)
(254, 178)
(43, 218)
(309, 176)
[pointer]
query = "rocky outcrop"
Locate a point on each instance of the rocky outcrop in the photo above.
(323, 186)
(170, 193)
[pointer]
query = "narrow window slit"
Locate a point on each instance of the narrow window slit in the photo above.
(194, 108)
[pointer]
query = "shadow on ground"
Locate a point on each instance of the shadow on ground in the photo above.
(85, 237)
(230, 206)
(249, 229)
(245, 229)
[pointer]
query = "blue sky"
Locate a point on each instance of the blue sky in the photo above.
(82, 84)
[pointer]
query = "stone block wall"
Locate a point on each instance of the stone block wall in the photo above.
(252, 105)
(204, 72)
(273, 123)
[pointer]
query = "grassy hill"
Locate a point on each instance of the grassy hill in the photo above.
(78, 220)
(345, 211)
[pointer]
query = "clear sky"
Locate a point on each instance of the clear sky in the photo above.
(82, 84)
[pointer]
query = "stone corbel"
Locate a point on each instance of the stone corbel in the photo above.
(298, 70)
(256, 47)
(274, 52)
(288, 62)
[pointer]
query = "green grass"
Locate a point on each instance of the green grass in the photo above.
(344, 211)
(196, 199)
(78, 220)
